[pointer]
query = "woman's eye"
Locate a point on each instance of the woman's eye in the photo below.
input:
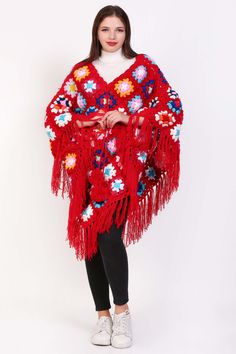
(105, 29)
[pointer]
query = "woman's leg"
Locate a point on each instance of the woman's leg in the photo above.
(109, 266)
(98, 282)
(115, 262)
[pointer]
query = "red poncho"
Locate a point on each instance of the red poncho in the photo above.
(126, 173)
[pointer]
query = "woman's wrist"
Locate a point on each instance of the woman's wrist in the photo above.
(140, 120)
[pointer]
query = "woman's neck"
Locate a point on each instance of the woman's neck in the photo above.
(111, 57)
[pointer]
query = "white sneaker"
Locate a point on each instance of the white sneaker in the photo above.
(122, 333)
(101, 334)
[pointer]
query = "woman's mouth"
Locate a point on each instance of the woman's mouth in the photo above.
(112, 43)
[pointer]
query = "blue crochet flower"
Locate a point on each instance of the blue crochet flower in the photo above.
(175, 106)
(150, 173)
(91, 109)
(148, 87)
(100, 159)
(141, 188)
(99, 204)
(142, 156)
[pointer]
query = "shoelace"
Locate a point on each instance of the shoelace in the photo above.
(121, 326)
(102, 324)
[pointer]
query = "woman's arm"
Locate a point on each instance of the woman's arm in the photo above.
(164, 113)
(60, 111)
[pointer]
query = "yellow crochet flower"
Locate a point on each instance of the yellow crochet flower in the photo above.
(124, 87)
(81, 73)
(70, 161)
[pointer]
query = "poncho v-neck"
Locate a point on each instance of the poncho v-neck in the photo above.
(111, 64)
(124, 174)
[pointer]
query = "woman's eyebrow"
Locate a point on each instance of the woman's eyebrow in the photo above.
(109, 27)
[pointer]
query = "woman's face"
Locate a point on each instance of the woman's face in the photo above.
(111, 29)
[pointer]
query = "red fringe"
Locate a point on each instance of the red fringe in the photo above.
(135, 211)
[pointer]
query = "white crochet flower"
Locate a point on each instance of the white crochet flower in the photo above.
(175, 132)
(63, 119)
(50, 133)
(117, 185)
(87, 213)
(109, 171)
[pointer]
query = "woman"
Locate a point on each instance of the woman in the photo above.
(114, 129)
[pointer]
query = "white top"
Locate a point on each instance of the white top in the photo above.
(112, 64)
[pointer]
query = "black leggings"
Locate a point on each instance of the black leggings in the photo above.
(109, 266)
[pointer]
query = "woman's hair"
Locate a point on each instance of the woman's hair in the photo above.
(95, 48)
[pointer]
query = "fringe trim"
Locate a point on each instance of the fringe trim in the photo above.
(84, 238)
(136, 218)
(136, 212)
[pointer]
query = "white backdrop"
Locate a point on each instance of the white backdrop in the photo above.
(182, 274)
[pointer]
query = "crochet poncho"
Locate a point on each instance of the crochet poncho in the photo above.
(122, 174)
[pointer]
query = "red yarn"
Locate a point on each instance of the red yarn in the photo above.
(128, 172)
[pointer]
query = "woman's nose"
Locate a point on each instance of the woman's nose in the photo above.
(112, 35)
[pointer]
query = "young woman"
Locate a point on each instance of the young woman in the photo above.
(113, 128)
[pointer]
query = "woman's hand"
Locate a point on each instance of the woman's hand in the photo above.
(106, 120)
(113, 117)
(89, 123)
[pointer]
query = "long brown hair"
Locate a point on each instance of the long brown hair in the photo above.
(95, 48)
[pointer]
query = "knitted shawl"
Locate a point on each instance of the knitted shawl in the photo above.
(124, 174)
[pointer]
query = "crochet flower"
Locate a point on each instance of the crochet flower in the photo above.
(164, 118)
(175, 132)
(70, 88)
(81, 102)
(81, 73)
(140, 73)
(150, 173)
(60, 105)
(154, 102)
(124, 87)
(148, 88)
(111, 146)
(100, 158)
(70, 161)
(63, 119)
(86, 214)
(90, 110)
(50, 133)
(117, 185)
(106, 99)
(111, 101)
(99, 204)
(101, 100)
(149, 58)
(135, 103)
(142, 156)
(175, 105)
(141, 188)
(172, 93)
(109, 171)
(90, 86)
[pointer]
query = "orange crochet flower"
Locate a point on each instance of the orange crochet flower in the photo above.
(81, 73)
(124, 87)
(70, 161)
